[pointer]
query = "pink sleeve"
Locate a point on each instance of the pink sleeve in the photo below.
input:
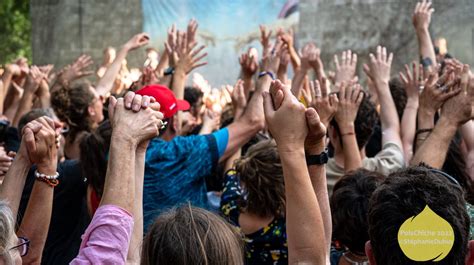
(107, 238)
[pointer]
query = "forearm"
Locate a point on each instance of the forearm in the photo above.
(425, 45)
(388, 115)
(319, 71)
(24, 106)
(317, 174)
(304, 222)
(352, 160)
(433, 151)
(282, 74)
(106, 83)
(408, 127)
(177, 86)
(298, 79)
(14, 182)
(134, 250)
(162, 64)
(35, 224)
(119, 187)
(6, 79)
(229, 163)
(248, 84)
(425, 121)
(295, 59)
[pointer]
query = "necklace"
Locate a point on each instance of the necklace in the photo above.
(353, 262)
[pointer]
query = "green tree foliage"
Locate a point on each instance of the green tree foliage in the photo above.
(15, 30)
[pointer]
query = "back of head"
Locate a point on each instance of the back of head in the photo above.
(7, 229)
(399, 95)
(33, 115)
(261, 172)
(405, 194)
(349, 206)
(71, 106)
(189, 235)
(94, 149)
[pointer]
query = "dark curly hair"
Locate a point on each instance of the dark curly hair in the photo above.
(71, 104)
(405, 194)
(367, 118)
(261, 172)
(349, 206)
(399, 95)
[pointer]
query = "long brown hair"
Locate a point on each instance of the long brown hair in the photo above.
(188, 235)
(261, 172)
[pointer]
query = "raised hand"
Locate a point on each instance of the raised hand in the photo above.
(286, 37)
(457, 109)
(137, 41)
(239, 101)
(286, 121)
(436, 92)
(350, 97)
(310, 56)
(35, 76)
(379, 67)
(346, 69)
(41, 141)
(324, 103)
(265, 35)
(248, 63)
(422, 15)
(271, 61)
(411, 80)
(183, 56)
(139, 125)
(77, 69)
(191, 33)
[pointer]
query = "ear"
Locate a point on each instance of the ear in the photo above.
(369, 254)
(91, 111)
(470, 252)
(174, 123)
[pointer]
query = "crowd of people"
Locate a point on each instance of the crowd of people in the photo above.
(317, 168)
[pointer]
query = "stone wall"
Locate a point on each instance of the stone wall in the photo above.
(64, 29)
(361, 25)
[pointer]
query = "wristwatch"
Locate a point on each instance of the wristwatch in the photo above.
(320, 159)
(169, 71)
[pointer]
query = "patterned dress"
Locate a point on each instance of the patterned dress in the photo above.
(266, 246)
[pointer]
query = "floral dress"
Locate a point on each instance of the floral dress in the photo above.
(266, 246)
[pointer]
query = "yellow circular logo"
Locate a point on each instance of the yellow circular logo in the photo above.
(426, 237)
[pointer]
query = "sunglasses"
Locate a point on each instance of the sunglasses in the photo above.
(23, 246)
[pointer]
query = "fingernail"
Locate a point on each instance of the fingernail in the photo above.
(146, 104)
(128, 105)
(136, 107)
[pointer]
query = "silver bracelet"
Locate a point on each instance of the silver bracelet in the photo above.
(44, 176)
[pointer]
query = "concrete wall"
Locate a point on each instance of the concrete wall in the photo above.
(361, 25)
(64, 29)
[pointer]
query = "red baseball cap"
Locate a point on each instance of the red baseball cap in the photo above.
(163, 95)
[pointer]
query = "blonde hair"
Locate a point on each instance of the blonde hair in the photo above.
(7, 230)
(189, 235)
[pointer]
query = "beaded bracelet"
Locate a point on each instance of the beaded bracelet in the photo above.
(50, 180)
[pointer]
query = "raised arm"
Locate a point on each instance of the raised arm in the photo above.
(34, 79)
(304, 222)
(288, 39)
(35, 223)
(308, 53)
(379, 72)
(315, 144)
(408, 125)
(106, 83)
(350, 97)
(74, 71)
(456, 112)
(248, 68)
(253, 120)
(421, 22)
(11, 70)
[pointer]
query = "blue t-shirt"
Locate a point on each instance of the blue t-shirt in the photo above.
(175, 171)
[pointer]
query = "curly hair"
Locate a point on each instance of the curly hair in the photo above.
(349, 206)
(261, 172)
(7, 230)
(71, 106)
(399, 95)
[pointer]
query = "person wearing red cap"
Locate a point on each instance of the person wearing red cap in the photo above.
(176, 166)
